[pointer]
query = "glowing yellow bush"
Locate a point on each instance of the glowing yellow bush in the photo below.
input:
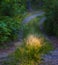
(34, 41)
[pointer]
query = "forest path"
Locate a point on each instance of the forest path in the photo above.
(52, 58)
(29, 18)
(4, 53)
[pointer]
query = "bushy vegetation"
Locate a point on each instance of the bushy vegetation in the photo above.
(11, 8)
(34, 44)
(33, 47)
(31, 51)
(11, 15)
(32, 27)
(51, 24)
(8, 29)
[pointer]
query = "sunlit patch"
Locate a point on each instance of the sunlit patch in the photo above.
(34, 41)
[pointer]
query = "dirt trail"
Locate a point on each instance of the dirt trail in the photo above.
(51, 59)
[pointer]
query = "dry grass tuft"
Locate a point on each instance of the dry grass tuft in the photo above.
(34, 41)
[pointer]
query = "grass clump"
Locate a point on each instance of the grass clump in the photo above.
(30, 53)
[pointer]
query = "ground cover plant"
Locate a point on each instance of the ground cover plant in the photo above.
(31, 51)
(33, 47)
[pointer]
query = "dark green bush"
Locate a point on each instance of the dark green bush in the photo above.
(51, 24)
(11, 7)
(11, 14)
(8, 29)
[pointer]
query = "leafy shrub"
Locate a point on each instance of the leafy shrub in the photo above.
(8, 29)
(30, 53)
(11, 15)
(51, 24)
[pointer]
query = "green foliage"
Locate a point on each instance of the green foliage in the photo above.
(8, 29)
(11, 8)
(11, 15)
(51, 9)
(31, 27)
(26, 55)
